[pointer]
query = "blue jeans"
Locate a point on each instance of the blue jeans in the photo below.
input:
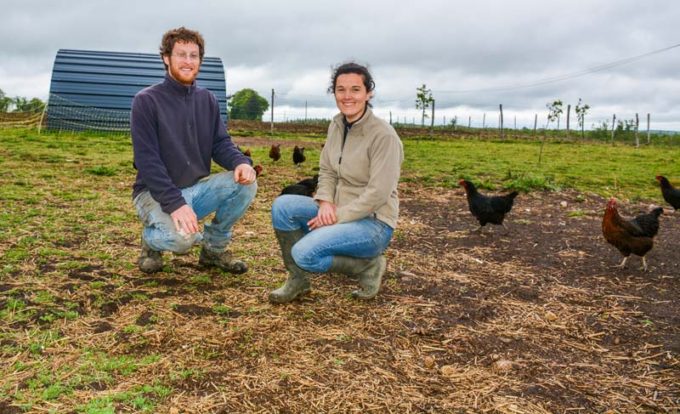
(217, 193)
(365, 238)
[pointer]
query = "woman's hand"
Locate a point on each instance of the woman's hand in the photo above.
(325, 217)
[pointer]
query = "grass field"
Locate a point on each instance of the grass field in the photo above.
(82, 330)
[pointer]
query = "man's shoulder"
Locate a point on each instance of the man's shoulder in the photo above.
(150, 90)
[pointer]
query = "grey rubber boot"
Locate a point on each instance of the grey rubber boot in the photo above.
(368, 271)
(223, 260)
(149, 261)
(297, 283)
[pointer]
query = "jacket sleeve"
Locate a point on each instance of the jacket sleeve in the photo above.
(147, 158)
(224, 151)
(328, 178)
(386, 156)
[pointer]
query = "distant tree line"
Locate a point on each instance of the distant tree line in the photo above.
(19, 104)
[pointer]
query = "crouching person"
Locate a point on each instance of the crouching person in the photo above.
(349, 223)
(176, 131)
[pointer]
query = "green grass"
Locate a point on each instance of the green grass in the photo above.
(621, 171)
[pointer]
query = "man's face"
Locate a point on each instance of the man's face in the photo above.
(184, 62)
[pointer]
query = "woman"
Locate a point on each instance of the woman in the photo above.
(349, 223)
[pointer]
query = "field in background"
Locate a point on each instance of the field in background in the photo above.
(533, 320)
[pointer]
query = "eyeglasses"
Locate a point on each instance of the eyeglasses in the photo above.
(183, 56)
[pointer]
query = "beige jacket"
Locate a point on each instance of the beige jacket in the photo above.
(365, 181)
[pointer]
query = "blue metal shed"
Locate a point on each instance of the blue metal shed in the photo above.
(93, 90)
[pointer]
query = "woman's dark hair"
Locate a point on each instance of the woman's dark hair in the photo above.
(181, 34)
(351, 67)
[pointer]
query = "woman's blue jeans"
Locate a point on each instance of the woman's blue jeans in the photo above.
(365, 238)
(217, 193)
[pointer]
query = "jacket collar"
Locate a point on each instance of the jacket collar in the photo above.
(177, 87)
(340, 119)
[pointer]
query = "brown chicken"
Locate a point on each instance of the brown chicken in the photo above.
(258, 170)
(634, 236)
(275, 152)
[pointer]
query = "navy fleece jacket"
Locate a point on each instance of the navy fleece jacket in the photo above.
(176, 131)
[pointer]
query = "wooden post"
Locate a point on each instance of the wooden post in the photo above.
(469, 121)
(535, 122)
(305, 112)
(613, 127)
(637, 137)
(484, 121)
(515, 123)
(390, 117)
(271, 127)
(500, 123)
(568, 116)
(432, 120)
(648, 137)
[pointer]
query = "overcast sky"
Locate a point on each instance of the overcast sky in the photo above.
(492, 49)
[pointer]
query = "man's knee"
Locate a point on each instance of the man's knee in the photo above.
(181, 244)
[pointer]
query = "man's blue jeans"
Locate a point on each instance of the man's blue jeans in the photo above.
(217, 193)
(364, 238)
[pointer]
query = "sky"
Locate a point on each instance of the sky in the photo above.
(472, 55)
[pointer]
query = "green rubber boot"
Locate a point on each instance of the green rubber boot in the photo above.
(297, 283)
(368, 271)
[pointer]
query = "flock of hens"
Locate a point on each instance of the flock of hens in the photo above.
(634, 236)
(629, 236)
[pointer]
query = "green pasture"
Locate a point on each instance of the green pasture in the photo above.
(70, 192)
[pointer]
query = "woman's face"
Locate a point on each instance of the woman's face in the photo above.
(351, 95)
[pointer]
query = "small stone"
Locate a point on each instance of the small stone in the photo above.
(448, 370)
(502, 365)
(563, 203)
(428, 362)
(550, 317)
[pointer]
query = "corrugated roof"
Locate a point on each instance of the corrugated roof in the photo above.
(94, 89)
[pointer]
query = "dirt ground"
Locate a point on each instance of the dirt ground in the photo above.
(542, 295)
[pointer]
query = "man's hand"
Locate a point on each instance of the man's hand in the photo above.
(325, 217)
(185, 220)
(244, 174)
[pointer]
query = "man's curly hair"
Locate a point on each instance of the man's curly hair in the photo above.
(181, 34)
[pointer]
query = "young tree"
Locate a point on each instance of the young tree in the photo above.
(247, 104)
(554, 110)
(424, 100)
(5, 101)
(581, 110)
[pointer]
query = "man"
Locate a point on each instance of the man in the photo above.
(176, 131)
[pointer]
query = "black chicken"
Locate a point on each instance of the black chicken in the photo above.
(487, 209)
(670, 193)
(306, 187)
(275, 152)
(299, 155)
(634, 236)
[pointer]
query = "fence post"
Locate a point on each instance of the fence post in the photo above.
(535, 122)
(637, 137)
(271, 127)
(432, 120)
(469, 121)
(568, 116)
(613, 127)
(648, 137)
(500, 123)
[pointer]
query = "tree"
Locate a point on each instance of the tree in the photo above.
(424, 100)
(554, 111)
(5, 101)
(581, 110)
(247, 104)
